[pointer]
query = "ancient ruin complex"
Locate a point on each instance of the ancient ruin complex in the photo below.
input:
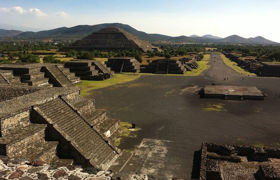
(230, 162)
(43, 117)
(112, 38)
(123, 64)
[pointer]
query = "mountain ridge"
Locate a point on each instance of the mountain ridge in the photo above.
(80, 31)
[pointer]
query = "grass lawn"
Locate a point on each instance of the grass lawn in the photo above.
(87, 86)
(202, 66)
(235, 67)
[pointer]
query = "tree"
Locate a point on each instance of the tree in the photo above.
(29, 58)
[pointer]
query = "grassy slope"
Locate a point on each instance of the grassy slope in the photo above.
(235, 67)
(202, 66)
(87, 86)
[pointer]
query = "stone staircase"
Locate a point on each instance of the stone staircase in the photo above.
(56, 76)
(68, 74)
(96, 118)
(32, 76)
(21, 139)
(103, 68)
(87, 146)
(89, 69)
(7, 77)
(123, 65)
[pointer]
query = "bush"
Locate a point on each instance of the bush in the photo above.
(50, 59)
(85, 55)
(29, 58)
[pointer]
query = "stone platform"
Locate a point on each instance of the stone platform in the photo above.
(232, 92)
(231, 162)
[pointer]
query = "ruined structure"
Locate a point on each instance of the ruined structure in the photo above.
(38, 75)
(165, 66)
(231, 162)
(270, 69)
(232, 92)
(89, 69)
(260, 68)
(112, 38)
(123, 64)
(52, 124)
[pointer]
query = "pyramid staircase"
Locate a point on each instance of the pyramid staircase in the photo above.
(165, 66)
(21, 139)
(56, 76)
(32, 76)
(85, 144)
(89, 69)
(123, 65)
(7, 77)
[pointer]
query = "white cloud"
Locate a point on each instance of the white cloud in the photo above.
(4, 10)
(19, 10)
(61, 14)
(36, 12)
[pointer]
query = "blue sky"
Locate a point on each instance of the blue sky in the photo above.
(177, 17)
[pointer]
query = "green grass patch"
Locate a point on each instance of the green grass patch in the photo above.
(203, 65)
(126, 132)
(235, 67)
(87, 86)
(215, 107)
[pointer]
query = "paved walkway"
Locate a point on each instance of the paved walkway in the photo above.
(169, 111)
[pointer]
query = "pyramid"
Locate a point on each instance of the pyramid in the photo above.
(112, 38)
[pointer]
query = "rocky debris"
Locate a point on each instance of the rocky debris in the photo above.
(26, 171)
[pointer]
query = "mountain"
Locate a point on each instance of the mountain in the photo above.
(9, 33)
(209, 36)
(81, 31)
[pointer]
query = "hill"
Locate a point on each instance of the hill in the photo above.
(81, 31)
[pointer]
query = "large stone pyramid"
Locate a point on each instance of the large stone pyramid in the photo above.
(112, 38)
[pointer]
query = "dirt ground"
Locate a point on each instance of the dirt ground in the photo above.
(168, 109)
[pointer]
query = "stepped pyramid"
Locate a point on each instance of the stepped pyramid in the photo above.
(112, 38)
(55, 125)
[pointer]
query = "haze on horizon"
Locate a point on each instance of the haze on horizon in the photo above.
(222, 18)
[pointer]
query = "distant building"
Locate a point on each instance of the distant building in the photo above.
(112, 38)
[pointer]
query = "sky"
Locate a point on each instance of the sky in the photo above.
(247, 18)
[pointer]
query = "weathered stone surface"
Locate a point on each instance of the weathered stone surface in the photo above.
(37, 163)
(42, 176)
(73, 177)
(59, 173)
(16, 174)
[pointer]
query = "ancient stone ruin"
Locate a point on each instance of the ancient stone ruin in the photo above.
(232, 162)
(258, 66)
(89, 69)
(119, 65)
(165, 66)
(52, 124)
(112, 38)
(232, 92)
(38, 75)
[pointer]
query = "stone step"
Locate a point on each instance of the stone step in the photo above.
(19, 142)
(61, 162)
(45, 151)
(86, 73)
(3, 80)
(15, 121)
(95, 117)
(32, 77)
(37, 83)
(80, 104)
(108, 127)
(56, 76)
(76, 131)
